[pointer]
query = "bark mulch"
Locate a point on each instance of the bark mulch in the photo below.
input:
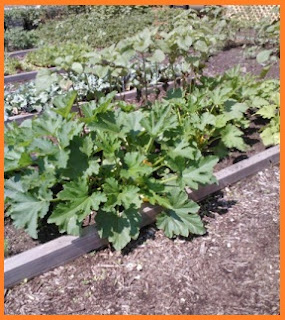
(233, 269)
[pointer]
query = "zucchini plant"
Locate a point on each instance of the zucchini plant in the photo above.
(111, 157)
(109, 161)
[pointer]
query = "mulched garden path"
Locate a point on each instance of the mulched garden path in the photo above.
(233, 269)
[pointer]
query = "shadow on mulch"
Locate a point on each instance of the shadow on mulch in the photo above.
(214, 204)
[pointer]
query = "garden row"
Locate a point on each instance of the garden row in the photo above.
(150, 58)
(111, 156)
(71, 30)
(42, 258)
(68, 37)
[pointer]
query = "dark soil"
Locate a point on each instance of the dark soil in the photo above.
(233, 269)
(19, 241)
(225, 60)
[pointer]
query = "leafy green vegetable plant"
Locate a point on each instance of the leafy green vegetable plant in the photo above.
(111, 158)
(11, 65)
(46, 56)
(108, 161)
(270, 133)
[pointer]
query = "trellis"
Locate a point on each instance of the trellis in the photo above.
(253, 13)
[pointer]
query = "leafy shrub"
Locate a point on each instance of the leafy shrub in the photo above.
(30, 17)
(19, 39)
(26, 17)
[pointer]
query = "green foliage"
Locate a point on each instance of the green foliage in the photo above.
(49, 56)
(110, 27)
(109, 157)
(271, 132)
(181, 218)
(153, 56)
(19, 39)
(11, 65)
(268, 35)
(27, 17)
(261, 40)
(113, 157)
(55, 167)
(31, 97)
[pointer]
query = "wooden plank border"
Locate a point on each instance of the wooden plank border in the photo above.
(44, 257)
(24, 76)
(20, 53)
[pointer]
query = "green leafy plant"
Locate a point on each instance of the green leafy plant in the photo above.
(110, 28)
(107, 161)
(19, 39)
(35, 97)
(152, 56)
(11, 65)
(110, 158)
(46, 56)
(270, 133)
(27, 17)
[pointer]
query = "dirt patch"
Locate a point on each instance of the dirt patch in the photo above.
(233, 269)
(225, 60)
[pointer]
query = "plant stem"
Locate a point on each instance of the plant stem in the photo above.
(55, 200)
(158, 161)
(76, 99)
(174, 75)
(213, 139)
(149, 145)
(162, 165)
(145, 82)
(178, 115)
(168, 179)
(86, 79)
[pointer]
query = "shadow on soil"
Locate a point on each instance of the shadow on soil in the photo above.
(212, 205)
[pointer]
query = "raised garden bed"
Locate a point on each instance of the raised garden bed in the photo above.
(216, 65)
(180, 160)
(73, 99)
(56, 252)
(241, 250)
